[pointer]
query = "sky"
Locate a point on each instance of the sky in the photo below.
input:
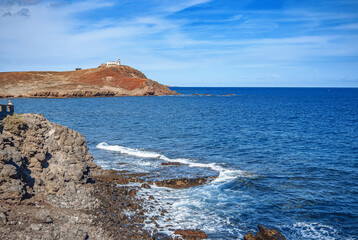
(189, 43)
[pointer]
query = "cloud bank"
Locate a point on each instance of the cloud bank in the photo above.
(190, 42)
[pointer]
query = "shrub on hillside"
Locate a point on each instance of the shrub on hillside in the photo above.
(14, 123)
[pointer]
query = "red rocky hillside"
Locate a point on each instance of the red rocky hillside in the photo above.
(95, 82)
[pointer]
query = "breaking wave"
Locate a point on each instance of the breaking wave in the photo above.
(224, 173)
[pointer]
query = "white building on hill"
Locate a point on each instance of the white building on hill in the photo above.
(113, 63)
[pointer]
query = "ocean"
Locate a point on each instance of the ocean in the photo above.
(286, 157)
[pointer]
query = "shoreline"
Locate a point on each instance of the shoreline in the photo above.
(52, 189)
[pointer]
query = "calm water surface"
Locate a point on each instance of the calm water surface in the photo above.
(287, 157)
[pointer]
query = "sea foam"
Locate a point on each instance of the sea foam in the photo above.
(225, 174)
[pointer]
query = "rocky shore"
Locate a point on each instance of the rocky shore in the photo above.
(50, 188)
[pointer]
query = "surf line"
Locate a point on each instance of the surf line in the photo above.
(224, 173)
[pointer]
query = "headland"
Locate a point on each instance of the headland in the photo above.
(104, 81)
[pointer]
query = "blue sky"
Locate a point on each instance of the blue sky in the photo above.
(236, 43)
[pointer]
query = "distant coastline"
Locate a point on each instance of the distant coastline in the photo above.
(104, 81)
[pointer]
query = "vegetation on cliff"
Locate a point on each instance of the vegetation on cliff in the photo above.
(13, 124)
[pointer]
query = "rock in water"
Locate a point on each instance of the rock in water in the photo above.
(265, 234)
(191, 234)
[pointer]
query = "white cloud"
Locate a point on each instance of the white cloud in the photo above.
(53, 37)
(176, 6)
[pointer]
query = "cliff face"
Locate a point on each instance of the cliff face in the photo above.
(49, 190)
(96, 82)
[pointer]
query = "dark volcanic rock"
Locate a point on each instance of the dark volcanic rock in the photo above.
(50, 188)
(265, 234)
(146, 186)
(191, 234)
(183, 182)
(171, 164)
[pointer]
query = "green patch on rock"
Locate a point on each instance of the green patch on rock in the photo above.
(14, 124)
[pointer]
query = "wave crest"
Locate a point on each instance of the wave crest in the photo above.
(224, 173)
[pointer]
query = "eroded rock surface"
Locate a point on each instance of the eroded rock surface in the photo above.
(184, 182)
(50, 188)
(191, 234)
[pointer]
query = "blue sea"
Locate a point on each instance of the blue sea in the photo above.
(286, 157)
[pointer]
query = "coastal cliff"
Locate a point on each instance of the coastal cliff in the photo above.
(96, 82)
(50, 188)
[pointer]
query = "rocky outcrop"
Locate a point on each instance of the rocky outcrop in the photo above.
(184, 182)
(171, 164)
(265, 234)
(50, 188)
(95, 82)
(42, 157)
(191, 234)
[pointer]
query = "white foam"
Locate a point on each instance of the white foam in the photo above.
(315, 231)
(128, 151)
(224, 173)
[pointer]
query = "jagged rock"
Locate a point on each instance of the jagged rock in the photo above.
(265, 234)
(8, 171)
(36, 227)
(191, 234)
(161, 236)
(40, 157)
(132, 192)
(3, 218)
(146, 186)
(43, 216)
(171, 164)
(183, 182)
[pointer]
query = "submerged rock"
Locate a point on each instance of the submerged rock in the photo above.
(183, 182)
(171, 164)
(265, 234)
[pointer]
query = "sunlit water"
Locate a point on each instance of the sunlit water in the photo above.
(287, 158)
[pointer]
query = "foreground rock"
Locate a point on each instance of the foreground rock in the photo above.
(265, 234)
(95, 82)
(50, 188)
(191, 234)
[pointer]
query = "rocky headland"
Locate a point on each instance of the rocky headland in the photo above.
(50, 188)
(95, 82)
